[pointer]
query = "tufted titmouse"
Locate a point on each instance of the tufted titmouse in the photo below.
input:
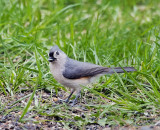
(74, 74)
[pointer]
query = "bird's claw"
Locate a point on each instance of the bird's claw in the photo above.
(73, 102)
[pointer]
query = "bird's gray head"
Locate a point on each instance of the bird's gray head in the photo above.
(56, 54)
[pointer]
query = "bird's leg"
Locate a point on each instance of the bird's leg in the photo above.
(77, 96)
(67, 100)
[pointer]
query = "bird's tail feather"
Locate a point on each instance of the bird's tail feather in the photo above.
(120, 70)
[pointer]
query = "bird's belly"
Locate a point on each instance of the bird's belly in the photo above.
(73, 83)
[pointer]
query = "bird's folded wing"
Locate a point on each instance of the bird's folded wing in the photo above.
(76, 70)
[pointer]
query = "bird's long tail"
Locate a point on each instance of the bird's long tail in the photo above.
(120, 70)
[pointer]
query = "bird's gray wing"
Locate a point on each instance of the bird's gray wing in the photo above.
(75, 69)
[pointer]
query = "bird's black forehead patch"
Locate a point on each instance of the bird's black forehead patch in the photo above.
(51, 54)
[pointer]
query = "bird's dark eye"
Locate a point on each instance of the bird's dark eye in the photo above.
(57, 53)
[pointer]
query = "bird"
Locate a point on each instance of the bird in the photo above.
(75, 74)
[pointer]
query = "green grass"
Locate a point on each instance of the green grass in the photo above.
(109, 33)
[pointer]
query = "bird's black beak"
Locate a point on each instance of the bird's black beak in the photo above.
(51, 59)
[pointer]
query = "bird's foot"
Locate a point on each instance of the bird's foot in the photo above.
(64, 100)
(73, 102)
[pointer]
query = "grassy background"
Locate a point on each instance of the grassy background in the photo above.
(109, 33)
